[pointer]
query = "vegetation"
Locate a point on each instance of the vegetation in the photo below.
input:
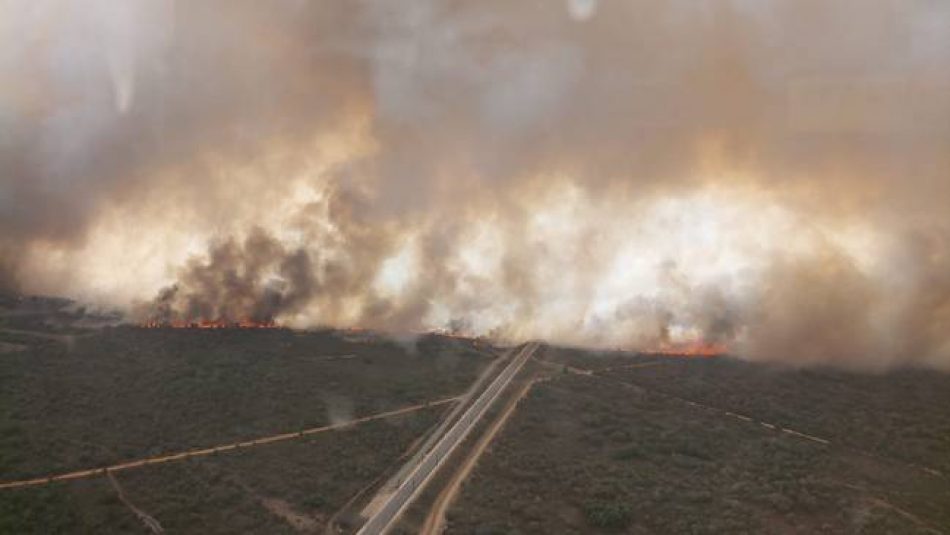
(125, 393)
(87, 507)
(608, 514)
(73, 398)
(594, 360)
(901, 415)
(244, 492)
(589, 454)
(270, 489)
(645, 444)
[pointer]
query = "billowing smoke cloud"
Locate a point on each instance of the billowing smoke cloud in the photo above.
(773, 175)
(251, 281)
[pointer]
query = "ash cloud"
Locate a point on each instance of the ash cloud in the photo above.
(494, 167)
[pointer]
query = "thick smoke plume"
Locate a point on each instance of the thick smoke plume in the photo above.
(231, 285)
(772, 175)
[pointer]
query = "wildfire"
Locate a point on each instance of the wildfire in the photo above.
(448, 334)
(210, 324)
(697, 348)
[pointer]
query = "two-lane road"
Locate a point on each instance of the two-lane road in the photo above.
(420, 474)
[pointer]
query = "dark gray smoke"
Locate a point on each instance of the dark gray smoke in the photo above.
(254, 281)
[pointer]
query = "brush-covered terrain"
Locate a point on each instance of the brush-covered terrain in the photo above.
(74, 397)
(285, 487)
(604, 442)
(652, 444)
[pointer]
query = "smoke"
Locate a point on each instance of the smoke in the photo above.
(255, 281)
(769, 175)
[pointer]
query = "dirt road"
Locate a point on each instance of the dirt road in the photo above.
(92, 472)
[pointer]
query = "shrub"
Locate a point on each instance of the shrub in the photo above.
(608, 515)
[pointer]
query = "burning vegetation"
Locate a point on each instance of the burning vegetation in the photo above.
(209, 324)
(253, 280)
(697, 348)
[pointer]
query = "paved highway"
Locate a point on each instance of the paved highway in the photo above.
(387, 513)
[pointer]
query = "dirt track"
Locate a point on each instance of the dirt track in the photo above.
(92, 472)
(147, 520)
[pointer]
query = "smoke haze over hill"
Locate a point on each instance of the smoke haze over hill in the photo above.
(770, 175)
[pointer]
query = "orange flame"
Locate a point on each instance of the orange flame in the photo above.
(209, 324)
(698, 348)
